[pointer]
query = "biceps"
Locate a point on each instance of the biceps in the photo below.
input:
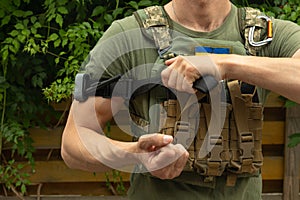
(95, 112)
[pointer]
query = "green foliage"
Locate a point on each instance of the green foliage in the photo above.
(114, 181)
(281, 9)
(294, 140)
(42, 45)
(12, 176)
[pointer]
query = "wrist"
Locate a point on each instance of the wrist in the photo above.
(126, 152)
(229, 65)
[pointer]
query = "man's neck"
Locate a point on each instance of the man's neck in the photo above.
(199, 15)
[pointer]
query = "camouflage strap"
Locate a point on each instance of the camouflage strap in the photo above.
(154, 20)
(248, 18)
(157, 26)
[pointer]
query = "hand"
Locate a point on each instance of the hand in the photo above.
(182, 71)
(161, 158)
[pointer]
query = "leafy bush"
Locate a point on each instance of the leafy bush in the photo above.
(42, 45)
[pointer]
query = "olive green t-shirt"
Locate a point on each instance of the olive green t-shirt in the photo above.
(124, 49)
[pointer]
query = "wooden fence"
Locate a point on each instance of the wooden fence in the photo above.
(280, 171)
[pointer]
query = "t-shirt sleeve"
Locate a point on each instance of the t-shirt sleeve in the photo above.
(286, 39)
(109, 56)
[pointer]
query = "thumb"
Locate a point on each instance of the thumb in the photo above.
(152, 142)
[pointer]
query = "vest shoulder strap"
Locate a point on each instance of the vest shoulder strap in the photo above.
(155, 24)
(253, 27)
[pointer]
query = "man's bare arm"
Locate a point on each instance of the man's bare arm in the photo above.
(280, 75)
(85, 148)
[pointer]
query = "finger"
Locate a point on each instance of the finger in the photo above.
(187, 86)
(181, 162)
(173, 79)
(165, 74)
(174, 166)
(152, 142)
(170, 61)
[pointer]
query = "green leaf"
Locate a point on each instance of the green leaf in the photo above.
(294, 16)
(5, 20)
(5, 55)
(37, 25)
(53, 37)
(117, 12)
(59, 20)
(17, 2)
(57, 43)
(33, 19)
(98, 10)
(62, 2)
(14, 33)
(27, 14)
(19, 26)
(133, 4)
(144, 3)
(294, 140)
(21, 38)
(289, 103)
(18, 13)
(23, 188)
(108, 18)
(287, 8)
(62, 10)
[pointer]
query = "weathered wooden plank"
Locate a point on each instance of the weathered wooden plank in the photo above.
(46, 138)
(61, 106)
(270, 196)
(273, 132)
(291, 161)
(65, 197)
(272, 168)
(274, 114)
(273, 100)
(58, 171)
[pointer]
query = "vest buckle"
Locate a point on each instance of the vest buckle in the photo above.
(182, 134)
(246, 145)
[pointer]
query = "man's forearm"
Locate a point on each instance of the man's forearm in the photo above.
(281, 75)
(83, 148)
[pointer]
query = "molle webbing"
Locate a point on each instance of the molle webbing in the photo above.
(246, 132)
(237, 150)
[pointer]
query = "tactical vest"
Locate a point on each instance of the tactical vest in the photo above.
(237, 151)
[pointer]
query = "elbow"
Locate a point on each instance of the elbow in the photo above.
(76, 156)
(67, 154)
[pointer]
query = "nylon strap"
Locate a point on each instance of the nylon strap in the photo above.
(158, 24)
(245, 137)
(247, 19)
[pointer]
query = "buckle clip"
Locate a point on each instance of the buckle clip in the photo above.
(246, 145)
(182, 134)
(215, 153)
(269, 33)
